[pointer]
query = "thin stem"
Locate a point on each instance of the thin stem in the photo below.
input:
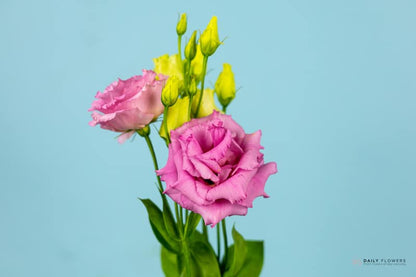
(204, 230)
(179, 47)
(152, 152)
(165, 123)
(179, 222)
(186, 68)
(185, 246)
(218, 243)
(181, 214)
(190, 107)
(224, 233)
(187, 256)
(204, 72)
(224, 109)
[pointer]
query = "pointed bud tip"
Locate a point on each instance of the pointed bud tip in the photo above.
(225, 86)
(190, 49)
(170, 92)
(181, 26)
(209, 39)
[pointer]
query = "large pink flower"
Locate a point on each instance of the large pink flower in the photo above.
(214, 168)
(128, 105)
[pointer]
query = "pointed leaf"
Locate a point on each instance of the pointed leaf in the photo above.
(254, 259)
(169, 221)
(170, 263)
(204, 257)
(236, 255)
(158, 226)
(191, 223)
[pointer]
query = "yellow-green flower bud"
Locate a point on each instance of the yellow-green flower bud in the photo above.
(225, 86)
(192, 87)
(181, 26)
(190, 49)
(170, 92)
(210, 40)
(197, 65)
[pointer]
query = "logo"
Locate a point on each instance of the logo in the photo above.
(379, 261)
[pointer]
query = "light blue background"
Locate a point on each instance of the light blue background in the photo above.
(331, 84)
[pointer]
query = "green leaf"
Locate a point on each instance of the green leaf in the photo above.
(170, 263)
(158, 226)
(191, 223)
(169, 221)
(254, 259)
(236, 255)
(204, 257)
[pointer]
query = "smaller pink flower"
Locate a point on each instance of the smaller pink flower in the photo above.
(214, 168)
(129, 105)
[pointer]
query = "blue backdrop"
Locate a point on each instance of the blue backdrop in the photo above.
(330, 83)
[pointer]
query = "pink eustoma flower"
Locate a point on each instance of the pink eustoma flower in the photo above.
(214, 168)
(129, 105)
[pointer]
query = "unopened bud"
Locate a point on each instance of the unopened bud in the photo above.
(190, 49)
(209, 39)
(225, 85)
(170, 92)
(192, 87)
(181, 26)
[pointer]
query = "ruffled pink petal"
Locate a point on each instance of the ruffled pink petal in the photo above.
(236, 130)
(191, 146)
(211, 164)
(257, 183)
(129, 104)
(252, 141)
(124, 120)
(149, 98)
(190, 124)
(125, 136)
(203, 170)
(116, 95)
(168, 174)
(250, 160)
(221, 147)
(188, 186)
(234, 189)
(98, 118)
(215, 212)
(214, 168)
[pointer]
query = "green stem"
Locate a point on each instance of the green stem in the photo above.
(218, 243)
(204, 230)
(224, 233)
(190, 107)
(187, 256)
(165, 124)
(186, 214)
(179, 221)
(224, 109)
(185, 246)
(204, 72)
(156, 166)
(181, 214)
(186, 68)
(179, 47)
